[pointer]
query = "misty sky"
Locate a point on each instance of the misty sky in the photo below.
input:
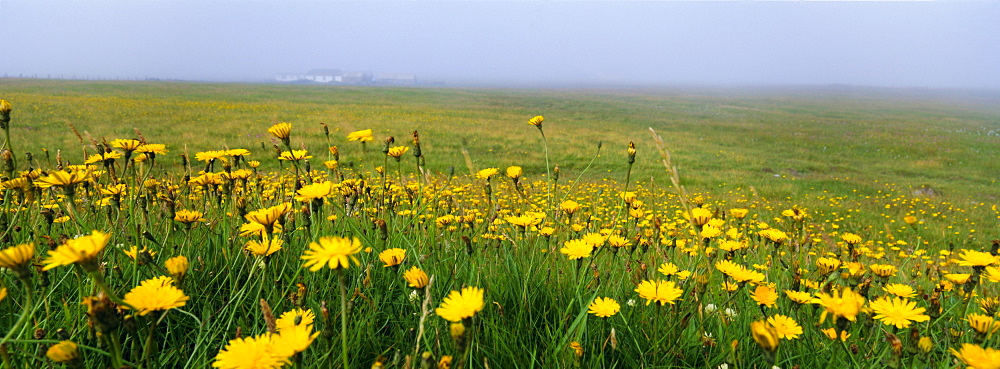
(898, 44)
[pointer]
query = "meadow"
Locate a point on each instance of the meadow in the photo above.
(167, 224)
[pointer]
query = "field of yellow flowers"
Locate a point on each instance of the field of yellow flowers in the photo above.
(288, 256)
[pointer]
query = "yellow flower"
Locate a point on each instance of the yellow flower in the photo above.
(576, 249)
(664, 292)
(514, 171)
(211, 155)
(851, 238)
(416, 277)
(158, 149)
(668, 269)
(739, 213)
(774, 235)
(17, 257)
(189, 216)
(900, 290)
(577, 348)
(336, 252)
(765, 295)
(5, 107)
(925, 344)
(295, 332)
(314, 191)
(83, 250)
(63, 179)
(269, 216)
(281, 130)
(898, 312)
(461, 305)
(569, 207)
(594, 239)
(98, 158)
(392, 257)
(827, 265)
(177, 266)
(831, 333)
(487, 173)
(977, 258)
(3, 293)
(294, 155)
(537, 121)
(362, 136)
(909, 219)
(250, 353)
(883, 270)
(63, 352)
(155, 294)
(128, 145)
(982, 324)
(699, 216)
(976, 357)
(265, 247)
(786, 327)
(765, 335)
(957, 278)
(134, 252)
(397, 151)
(604, 307)
(738, 272)
(845, 303)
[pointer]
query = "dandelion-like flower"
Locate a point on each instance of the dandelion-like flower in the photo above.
(845, 303)
(265, 247)
(392, 257)
(177, 266)
(974, 258)
(738, 272)
(883, 270)
(294, 155)
(786, 327)
(537, 121)
(900, 290)
(604, 307)
(514, 172)
(269, 216)
(189, 216)
(155, 294)
(765, 295)
(314, 191)
(739, 213)
(82, 250)
(766, 335)
(487, 173)
(898, 311)
(63, 352)
(977, 357)
(416, 277)
(699, 216)
(576, 249)
(663, 292)
(281, 131)
(982, 324)
(250, 353)
(361, 136)
(397, 151)
(17, 257)
(461, 305)
(851, 238)
(336, 252)
(569, 207)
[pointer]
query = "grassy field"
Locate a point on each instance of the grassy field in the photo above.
(805, 215)
(838, 140)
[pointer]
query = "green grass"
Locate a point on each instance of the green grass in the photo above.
(851, 158)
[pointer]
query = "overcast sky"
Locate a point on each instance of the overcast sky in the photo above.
(898, 44)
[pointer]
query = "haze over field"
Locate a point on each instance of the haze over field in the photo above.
(894, 44)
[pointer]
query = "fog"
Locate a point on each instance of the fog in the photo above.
(893, 44)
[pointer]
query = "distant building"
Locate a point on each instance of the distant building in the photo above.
(330, 76)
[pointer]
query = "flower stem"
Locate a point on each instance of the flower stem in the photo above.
(343, 320)
(29, 311)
